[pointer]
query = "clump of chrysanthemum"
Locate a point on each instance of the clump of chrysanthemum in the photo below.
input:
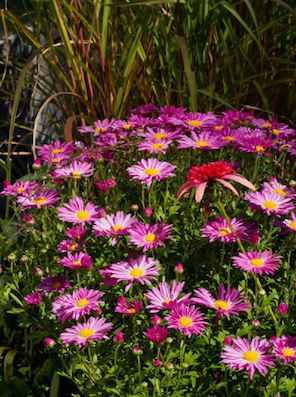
(285, 348)
(76, 305)
(81, 334)
(229, 301)
(152, 169)
(148, 236)
(248, 356)
(261, 262)
(186, 319)
(165, 297)
(220, 229)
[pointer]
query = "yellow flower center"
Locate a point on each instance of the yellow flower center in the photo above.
(292, 225)
(86, 332)
(257, 262)
(150, 237)
(76, 263)
(20, 189)
(82, 303)
(281, 192)
(56, 285)
(194, 123)
(132, 310)
(82, 215)
(73, 247)
(220, 304)
(56, 151)
(251, 355)
(287, 352)
(101, 129)
(202, 144)
(136, 272)
(224, 231)
(259, 148)
(271, 205)
(151, 171)
(117, 227)
(185, 322)
(157, 146)
(55, 160)
(39, 200)
(276, 131)
(75, 175)
(266, 125)
(167, 301)
(229, 138)
(159, 135)
(127, 126)
(219, 127)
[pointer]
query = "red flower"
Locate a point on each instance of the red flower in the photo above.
(219, 171)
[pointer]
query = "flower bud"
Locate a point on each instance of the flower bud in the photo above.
(157, 362)
(134, 207)
(169, 366)
(28, 219)
(118, 337)
(282, 308)
(256, 323)
(37, 164)
(49, 342)
(137, 351)
(228, 340)
(155, 320)
(169, 340)
(262, 292)
(148, 212)
(179, 268)
(38, 272)
(24, 258)
(11, 257)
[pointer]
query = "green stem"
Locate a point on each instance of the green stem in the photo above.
(139, 370)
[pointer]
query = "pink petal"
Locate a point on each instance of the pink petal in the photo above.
(228, 185)
(184, 189)
(200, 190)
(240, 179)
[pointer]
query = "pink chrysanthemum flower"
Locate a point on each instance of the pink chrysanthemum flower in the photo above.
(195, 121)
(165, 297)
(106, 275)
(229, 301)
(77, 261)
(236, 117)
(252, 357)
(77, 212)
(57, 152)
(54, 284)
(153, 146)
(76, 305)
(274, 186)
(159, 134)
(186, 319)
(19, 188)
(141, 269)
(264, 262)
(104, 186)
(149, 236)
(204, 141)
(144, 110)
(76, 170)
(285, 348)
(125, 307)
(81, 334)
(157, 334)
(148, 170)
(218, 229)
(269, 202)
(34, 298)
(76, 233)
(114, 225)
(68, 246)
(289, 224)
(256, 143)
(41, 198)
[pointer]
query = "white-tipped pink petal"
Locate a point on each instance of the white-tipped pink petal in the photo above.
(200, 191)
(183, 189)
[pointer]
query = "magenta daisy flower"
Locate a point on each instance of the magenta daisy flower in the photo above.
(68, 246)
(186, 319)
(218, 229)
(157, 334)
(34, 298)
(76, 170)
(264, 262)
(269, 202)
(289, 224)
(113, 225)
(252, 357)
(54, 284)
(77, 261)
(41, 198)
(153, 146)
(195, 121)
(77, 212)
(160, 134)
(285, 348)
(149, 236)
(229, 301)
(278, 188)
(19, 188)
(141, 269)
(81, 334)
(165, 297)
(125, 307)
(148, 170)
(57, 152)
(204, 140)
(76, 233)
(76, 305)
(256, 143)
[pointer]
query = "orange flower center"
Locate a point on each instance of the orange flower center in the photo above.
(39, 200)
(117, 227)
(202, 144)
(259, 148)
(157, 146)
(56, 151)
(56, 285)
(265, 125)
(281, 192)
(224, 231)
